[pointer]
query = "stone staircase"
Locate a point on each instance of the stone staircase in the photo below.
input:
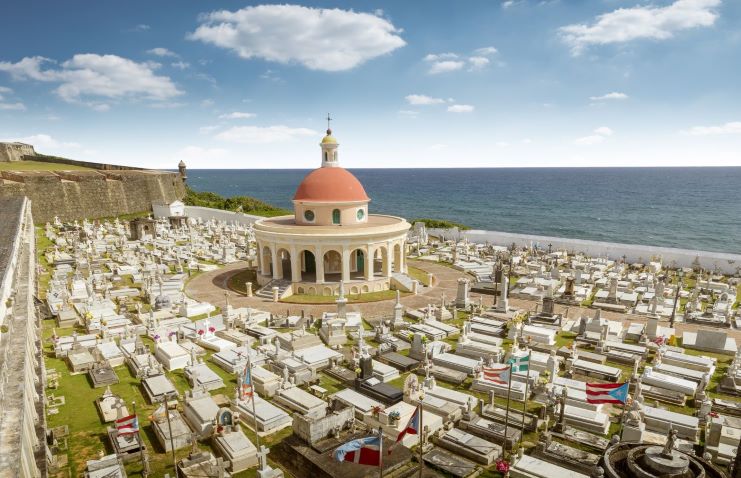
(266, 292)
(402, 282)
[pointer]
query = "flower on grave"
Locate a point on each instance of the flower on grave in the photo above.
(201, 331)
(212, 329)
(424, 339)
(502, 465)
(156, 337)
(376, 410)
(171, 334)
(713, 414)
(395, 415)
(358, 371)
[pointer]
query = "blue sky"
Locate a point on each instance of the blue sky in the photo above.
(410, 84)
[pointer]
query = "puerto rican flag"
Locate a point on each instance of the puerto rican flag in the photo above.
(245, 390)
(607, 392)
(363, 451)
(412, 428)
(127, 425)
(497, 374)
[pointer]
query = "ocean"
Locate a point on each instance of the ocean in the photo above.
(690, 208)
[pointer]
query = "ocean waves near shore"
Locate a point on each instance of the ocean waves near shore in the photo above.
(690, 208)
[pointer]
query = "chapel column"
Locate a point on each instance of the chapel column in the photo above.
(295, 265)
(389, 260)
(403, 258)
(368, 263)
(345, 264)
(277, 264)
(319, 265)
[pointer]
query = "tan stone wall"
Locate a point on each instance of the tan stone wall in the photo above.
(14, 151)
(91, 194)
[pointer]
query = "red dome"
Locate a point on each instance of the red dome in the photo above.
(330, 185)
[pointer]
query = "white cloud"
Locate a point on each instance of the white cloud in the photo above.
(263, 134)
(180, 65)
(207, 103)
(486, 51)
(460, 108)
(45, 141)
(12, 106)
(478, 62)
(423, 100)
(237, 115)
(162, 52)
(509, 3)
(90, 75)
(589, 140)
(7, 106)
(440, 56)
(627, 24)
(445, 66)
(610, 96)
(599, 136)
(733, 127)
(447, 62)
(319, 39)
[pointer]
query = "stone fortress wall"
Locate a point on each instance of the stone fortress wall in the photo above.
(104, 191)
(15, 151)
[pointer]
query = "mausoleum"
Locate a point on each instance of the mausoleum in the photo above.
(331, 237)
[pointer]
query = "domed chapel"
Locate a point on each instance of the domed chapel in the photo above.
(331, 236)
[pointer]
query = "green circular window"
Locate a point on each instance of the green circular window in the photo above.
(361, 214)
(309, 216)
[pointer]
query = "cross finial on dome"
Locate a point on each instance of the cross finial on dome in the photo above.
(329, 118)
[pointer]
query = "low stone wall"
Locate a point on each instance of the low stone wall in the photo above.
(207, 214)
(74, 195)
(727, 263)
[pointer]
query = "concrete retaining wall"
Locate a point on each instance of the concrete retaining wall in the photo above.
(727, 263)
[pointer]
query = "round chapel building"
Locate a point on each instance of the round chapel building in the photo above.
(331, 237)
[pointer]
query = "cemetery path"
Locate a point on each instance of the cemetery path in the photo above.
(211, 286)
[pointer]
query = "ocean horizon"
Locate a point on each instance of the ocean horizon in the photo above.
(683, 207)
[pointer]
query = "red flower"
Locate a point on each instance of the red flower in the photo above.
(502, 466)
(212, 329)
(201, 332)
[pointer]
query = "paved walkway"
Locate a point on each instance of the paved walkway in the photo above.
(211, 286)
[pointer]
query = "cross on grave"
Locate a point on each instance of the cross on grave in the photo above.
(262, 457)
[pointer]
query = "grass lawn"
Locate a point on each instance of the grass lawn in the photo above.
(41, 166)
(418, 275)
(238, 280)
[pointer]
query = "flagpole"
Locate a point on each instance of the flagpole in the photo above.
(145, 471)
(380, 451)
(524, 406)
(506, 415)
(252, 397)
(421, 440)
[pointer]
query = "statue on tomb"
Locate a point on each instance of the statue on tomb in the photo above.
(634, 416)
(658, 357)
(285, 374)
(671, 438)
